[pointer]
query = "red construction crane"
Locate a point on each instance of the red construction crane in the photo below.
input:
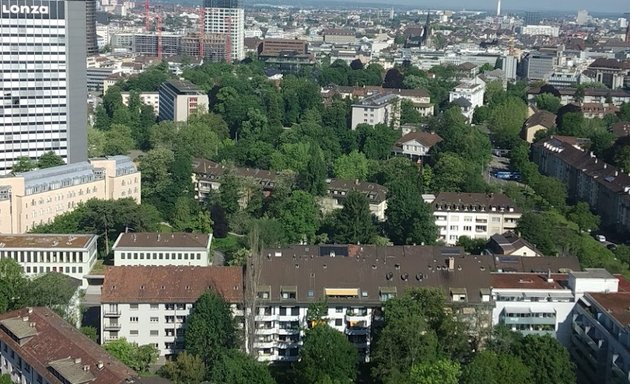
(228, 40)
(202, 32)
(147, 18)
(158, 29)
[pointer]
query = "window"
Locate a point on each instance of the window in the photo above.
(468, 218)
(133, 306)
(155, 306)
(338, 310)
(338, 322)
(133, 332)
(467, 228)
(154, 333)
(454, 227)
(133, 319)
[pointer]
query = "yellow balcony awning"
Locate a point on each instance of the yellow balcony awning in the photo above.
(341, 291)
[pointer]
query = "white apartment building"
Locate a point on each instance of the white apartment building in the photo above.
(72, 255)
(149, 305)
(377, 109)
(37, 197)
(541, 304)
(43, 85)
(227, 17)
(355, 281)
(180, 99)
(160, 249)
(475, 215)
(39, 347)
(337, 190)
(149, 98)
(472, 91)
(541, 30)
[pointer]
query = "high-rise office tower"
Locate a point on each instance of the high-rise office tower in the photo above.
(90, 27)
(227, 17)
(43, 89)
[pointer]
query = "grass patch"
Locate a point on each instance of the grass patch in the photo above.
(98, 268)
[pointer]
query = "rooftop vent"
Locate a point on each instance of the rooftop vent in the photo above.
(404, 277)
(389, 276)
(77, 360)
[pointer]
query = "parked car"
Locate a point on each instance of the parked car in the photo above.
(611, 246)
(600, 238)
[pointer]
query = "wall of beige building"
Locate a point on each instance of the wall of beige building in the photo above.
(20, 212)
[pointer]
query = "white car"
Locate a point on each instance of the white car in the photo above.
(600, 238)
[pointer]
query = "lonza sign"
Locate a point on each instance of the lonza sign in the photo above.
(25, 9)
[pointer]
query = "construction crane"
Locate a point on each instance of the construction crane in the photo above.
(147, 18)
(158, 30)
(228, 40)
(202, 32)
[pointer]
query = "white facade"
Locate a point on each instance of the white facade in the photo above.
(544, 30)
(280, 328)
(473, 224)
(377, 109)
(149, 98)
(158, 251)
(472, 91)
(535, 305)
(72, 255)
(228, 21)
(43, 85)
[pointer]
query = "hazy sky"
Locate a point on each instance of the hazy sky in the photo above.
(619, 6)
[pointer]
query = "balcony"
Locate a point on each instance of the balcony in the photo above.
(289, 331)
(264, 344)
(355, 315)
(357, 331)
(266, 331)
(538, 333)
(111, 313)
(111, 338)
(266, 317)
(112, 327)
(284, 344)
(507, 320)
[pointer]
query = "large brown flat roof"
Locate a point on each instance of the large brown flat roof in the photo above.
(55, 341)
(46, 241)
(162, 240)
(616, 304)
(170, 284)
(528, 281)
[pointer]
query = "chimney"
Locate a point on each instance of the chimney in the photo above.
(99, 365)
(451, 263)
(77, 360)
(25, 319)
(549, 278)
(356, 181)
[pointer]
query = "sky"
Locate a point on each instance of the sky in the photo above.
(617, 6)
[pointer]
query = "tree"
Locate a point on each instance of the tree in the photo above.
(186, 369)
(393, 79)
(118, 140)
(13, 285)
(138, 358)
(235, 367)
(538, 230)
(210, 328)
(472, 246)
(439, 372)
(90, 332)
(547, 359)
(409, 219)
(353, 166)
(49, 159)
(313, 178)
(449, 173)
(299, 216)
(53, 290)
(492, 368)
(96, 142)
(548, 102)
(230, 193)
(622, 158)
(353, 224)
(581, 215)
(506, 120)
(326, 355)
(23, 164)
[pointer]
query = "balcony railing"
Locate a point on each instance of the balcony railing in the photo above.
(112, 327)
(111, 313)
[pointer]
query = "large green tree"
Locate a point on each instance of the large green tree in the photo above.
(185, 369)
(353, 223)
(581, 215)
(547, 359)
(235, 367)
(23, 164)
(299, 215)
(326, 355)
(137, 357)
(49, 159)
(438, 372)
(210, 330)
(490, 367)
(313, 178)
(353, 166)
(409, 219)
(118, 140)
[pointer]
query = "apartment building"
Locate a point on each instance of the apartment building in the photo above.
(600, 339)
(151, 99)
(541, 30)
(377, 109)
(416, 145)
(337, 191)
(475, 215)
(160, 249)
(37, 197)
(420, 98)
(179, 99)
(604, 187)
(149, 304)
(227, 17)
(537, 66)
(72, 255)
(38, 346)
(339, 36)
(355, 281)
(541, 304)
(472, 92)
(591, 95)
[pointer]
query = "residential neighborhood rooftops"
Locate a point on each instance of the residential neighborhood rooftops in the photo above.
(427, 139)
(46, 241)
(162, 240)
(474, 201)
(170, 284)
(376, 100)
(543, 118)
(375, 193)
(55, 348)
(507, 243)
